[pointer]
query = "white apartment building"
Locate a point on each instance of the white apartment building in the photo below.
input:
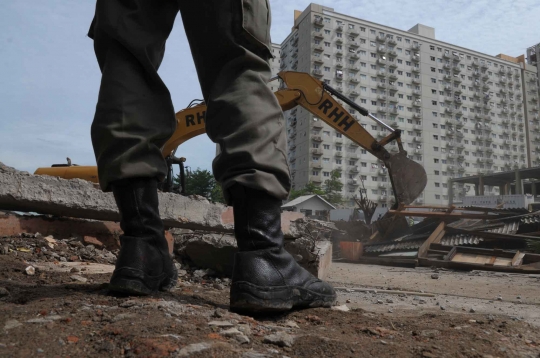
(275, 65)
(461, 112)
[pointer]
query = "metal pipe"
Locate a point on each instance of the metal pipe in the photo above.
(362, 110)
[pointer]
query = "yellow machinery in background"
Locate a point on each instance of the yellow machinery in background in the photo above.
(407, 177)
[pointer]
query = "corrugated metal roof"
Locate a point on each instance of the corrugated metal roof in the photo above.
(460, 240)
(396, 246)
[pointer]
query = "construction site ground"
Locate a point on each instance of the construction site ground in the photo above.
(64, 309)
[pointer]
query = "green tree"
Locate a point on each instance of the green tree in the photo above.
(332, 188)
(310, 189)
(201, 182)
(217, 194)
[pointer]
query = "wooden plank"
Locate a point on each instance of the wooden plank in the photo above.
(518, 259)
(435, 237)
(491, 260)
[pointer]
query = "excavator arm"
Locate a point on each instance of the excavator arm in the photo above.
(407, 177)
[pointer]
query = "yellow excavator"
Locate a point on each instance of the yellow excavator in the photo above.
(407, 177)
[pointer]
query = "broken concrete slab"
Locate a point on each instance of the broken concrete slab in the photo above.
(216, 251)
(78, 198)
(84, 268)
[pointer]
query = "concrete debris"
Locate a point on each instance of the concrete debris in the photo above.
(280, 339)
(78, 278)
(79, 198)
(195, 348)
(12, 323)
(342, 308)
(216, 251)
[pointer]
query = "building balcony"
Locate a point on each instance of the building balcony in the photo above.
(317, 138)
(317, 34)
(318, 21)
(315, 151)
(317, 73)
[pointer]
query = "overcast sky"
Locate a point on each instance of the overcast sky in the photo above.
(49, 78)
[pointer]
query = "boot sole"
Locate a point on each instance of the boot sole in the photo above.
(134, 283)
(249, 298)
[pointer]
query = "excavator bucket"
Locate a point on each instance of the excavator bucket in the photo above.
(408, 178)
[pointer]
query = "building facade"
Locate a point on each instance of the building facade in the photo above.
(461, 112)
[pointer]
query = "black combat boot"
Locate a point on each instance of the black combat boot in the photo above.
(266, 278)
(144, 264)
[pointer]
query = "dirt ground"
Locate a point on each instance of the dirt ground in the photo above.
(68, 312)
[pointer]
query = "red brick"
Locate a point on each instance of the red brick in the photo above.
(170, 241)
(90, 240)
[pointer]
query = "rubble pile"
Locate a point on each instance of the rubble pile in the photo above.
(463, 238)
(38, 248)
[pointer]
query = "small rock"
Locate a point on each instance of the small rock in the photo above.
(291, 324)
(230, 332)
(72, 339)
(342, 308)
(499, 298)
(490, 318)
(50, 239)
(194, 348)
(422, 301)
(3, 292)
(4, 249)
(39, 350)
(442, 307)
(218, 286)
(78, 278)
(280, 339)
(244, 328)
(430, 333)
(348, 301)
(380, 302)
(390, 311)
(182, 273)
(219, 313)
(74, 269)
(199, 273)
(472, 310)
(518, 297)
(222, 324)
(389, 300)
(30, 270)
(251, 354)
(435, 276)
(242, 339)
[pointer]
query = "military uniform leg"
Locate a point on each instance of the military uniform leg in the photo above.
(230, 44)
(134, 114)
